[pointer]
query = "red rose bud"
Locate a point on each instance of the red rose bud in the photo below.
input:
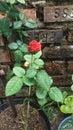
(34, 46)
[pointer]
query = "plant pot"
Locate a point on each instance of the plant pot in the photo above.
(64, 124)
(44, 118)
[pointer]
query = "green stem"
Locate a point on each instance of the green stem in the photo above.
(20, 35)
(28, 108)
(31, 59)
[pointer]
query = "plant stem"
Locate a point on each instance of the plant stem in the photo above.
(28, 108)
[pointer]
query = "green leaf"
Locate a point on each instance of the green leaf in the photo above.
(28, 58)
(66, 109)
(16, 64)
(28, 82)
(25, 33)
(38, 54)
(65, 94)
(3, 6)
(17, 24)
(19, 43)
(69, 100)
(18, 71)
(35, 66)
(44, 80)
(13, 46)
(11, 1)
(18, 55)
(23, 48)
(40, 92)
(72, 87)
(13, 86)
(55, 94)
(13, 12)
(9, 75)
(21, 16)
(31, 72)
(5, 27)
(72, 77)
(21, 1)
(29, 23)
(39, 62)
(42, 101)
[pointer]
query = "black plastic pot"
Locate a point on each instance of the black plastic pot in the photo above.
(44, 118)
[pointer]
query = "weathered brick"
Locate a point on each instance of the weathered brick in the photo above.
(70, 35)
(1, 40)
(29, 13)
(62, 80)
(55, 67)
(5, 68)
(46, 35)
(58, 13)
(59, 52)
(4, 55)
(70, 66)
(67, 89)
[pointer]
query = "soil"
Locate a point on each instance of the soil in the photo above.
(9, 122)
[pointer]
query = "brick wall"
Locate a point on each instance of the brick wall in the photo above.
(56, 32)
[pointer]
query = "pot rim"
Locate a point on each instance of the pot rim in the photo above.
(63, 122)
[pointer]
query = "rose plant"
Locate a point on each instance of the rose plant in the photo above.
(33, 75)
(28, 68)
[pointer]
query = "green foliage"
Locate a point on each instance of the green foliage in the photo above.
(3, 6)
(31, 72)
(17, 24)
(29, 23)
(23, 48)
(21, 1)
(72, 87)
(28, 81)
(13, 46)
(28, 57)
(14, 1)
(43, 80)
(9, 75)
(18, 55)
(41, 93)
(13, 12)
(5, 26)
(13, 86)
(18, 71)
(42, 101)
(56, 95)
(67, 106)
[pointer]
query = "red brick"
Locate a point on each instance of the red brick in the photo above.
(55, 67)
(29, 13)
(62, 80)
(1, 40)
(4, 56)
(70, 35)
(46, 35)
(70, 66)
(58, 13)
(58, 52)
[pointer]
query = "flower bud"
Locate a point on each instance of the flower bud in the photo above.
(26, 64)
